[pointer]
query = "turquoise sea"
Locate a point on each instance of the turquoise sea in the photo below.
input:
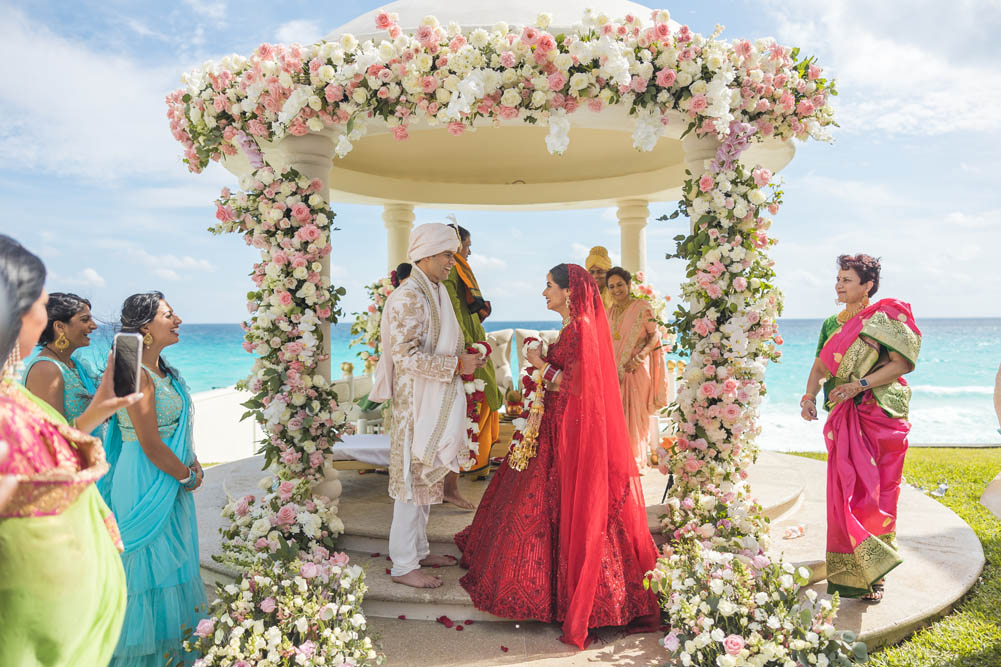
(953, 383)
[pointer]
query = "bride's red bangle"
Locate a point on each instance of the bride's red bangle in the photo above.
(807, 397)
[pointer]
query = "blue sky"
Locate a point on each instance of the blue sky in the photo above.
(91, 179)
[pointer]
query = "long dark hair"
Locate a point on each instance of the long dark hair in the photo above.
(401, 273)
(62, 306)
(561, 275)
(139, 310)
(22, 279)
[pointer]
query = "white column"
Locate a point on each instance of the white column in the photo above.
(633, 214)
(312, 156)
(698, 151)
(399, 219)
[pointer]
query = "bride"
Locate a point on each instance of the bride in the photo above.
(566, 540)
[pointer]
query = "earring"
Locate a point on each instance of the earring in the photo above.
(13, 366)
(148, 340)
(62, 342)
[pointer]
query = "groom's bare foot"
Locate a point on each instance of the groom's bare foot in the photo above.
(457, 499)
(435, 560)
(418, 579)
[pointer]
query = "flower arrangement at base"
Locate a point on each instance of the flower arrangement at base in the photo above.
(513, 402)
(366, 327)
(300, 611)
(524, 440)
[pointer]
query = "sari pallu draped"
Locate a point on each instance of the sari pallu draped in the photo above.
(160, 534)
(866, 443)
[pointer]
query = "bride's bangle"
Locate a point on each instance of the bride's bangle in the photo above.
(807, 399)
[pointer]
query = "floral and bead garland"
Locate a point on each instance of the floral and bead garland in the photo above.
(367, 324)
(524, 440)
(297, 601)
(728, 603)
(475, 394)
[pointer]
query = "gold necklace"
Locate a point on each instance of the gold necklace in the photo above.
(849, 313)
(617, 312)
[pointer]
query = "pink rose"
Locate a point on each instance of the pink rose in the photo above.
(731, 412)
(400, 133)
(740, 283)
(339, 559)
(688, 503)
(285, 299)
(529, 35)
(666, 78)
(706, 183)
(545, 43)
(243, 506)
(309, 570)
(671, 642)
(507, 113)
(286, 515)
(708, 389)
(662, 30)
(383, 20)
(261, 543)
(698, 103)
(761, 561)
(692, 464)
(205, 628)
(298, 262)
(301, 212)
(309, 233)
(267, 605)
(557, 80)
(316, 459)
(638, 84)
(455, 128)
(761, 176)
(507, 59)
(733, 644)
(286, 488)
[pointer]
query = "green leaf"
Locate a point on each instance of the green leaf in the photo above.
(848, 636)
(861, 652)
(186, 98)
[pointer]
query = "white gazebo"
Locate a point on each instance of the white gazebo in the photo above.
(506, 164)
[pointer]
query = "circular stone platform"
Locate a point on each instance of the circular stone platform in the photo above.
(942, 560)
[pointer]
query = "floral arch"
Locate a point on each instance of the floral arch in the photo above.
(727, 603)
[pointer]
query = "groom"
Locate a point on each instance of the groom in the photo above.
(423, 358)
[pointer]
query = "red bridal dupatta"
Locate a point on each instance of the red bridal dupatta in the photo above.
(599, 480)
(866, 443)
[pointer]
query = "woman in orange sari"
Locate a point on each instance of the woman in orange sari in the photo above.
(639, 358)
(862, 355)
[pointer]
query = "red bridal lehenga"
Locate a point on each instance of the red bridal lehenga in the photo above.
(566, 540)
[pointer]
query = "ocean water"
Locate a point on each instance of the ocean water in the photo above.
(953, 383)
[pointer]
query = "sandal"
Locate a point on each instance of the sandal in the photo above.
(875, 595)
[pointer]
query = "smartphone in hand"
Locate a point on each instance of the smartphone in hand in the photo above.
(127, 360)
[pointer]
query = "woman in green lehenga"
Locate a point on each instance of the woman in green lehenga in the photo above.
(62, 586)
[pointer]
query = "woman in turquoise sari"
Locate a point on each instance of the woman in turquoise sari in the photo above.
(53, 375)
(862, 355)
(62, 587)
(153, 477)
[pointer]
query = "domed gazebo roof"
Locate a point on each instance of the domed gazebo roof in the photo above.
(506, 164)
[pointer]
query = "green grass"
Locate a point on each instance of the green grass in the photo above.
(971, 635)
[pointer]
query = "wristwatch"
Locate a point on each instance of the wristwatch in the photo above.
(863, 383)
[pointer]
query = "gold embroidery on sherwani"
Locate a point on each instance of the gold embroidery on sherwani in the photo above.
(412, 317)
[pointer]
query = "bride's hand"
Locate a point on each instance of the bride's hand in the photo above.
(534, 357)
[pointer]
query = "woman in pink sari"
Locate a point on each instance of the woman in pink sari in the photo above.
(639, 359)
(862, 354)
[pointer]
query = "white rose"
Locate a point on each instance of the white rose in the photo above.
(359, 95)
(387, 51)
(349, 42)
(544, 20)
(423, 62)
(538, 98)
(285, 79)
(511, 98)
(579, 81)
(756, 197)
(314, 124)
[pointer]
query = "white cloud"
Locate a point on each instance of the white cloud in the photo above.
(485, 262)
(143, 30)
(81, 112)
(902, 71)
(164, 266)
(211, 10)
(299, 31)
(88, 277)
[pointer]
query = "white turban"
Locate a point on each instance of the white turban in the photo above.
(430, 239)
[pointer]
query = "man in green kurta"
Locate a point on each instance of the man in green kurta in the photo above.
(471, 309)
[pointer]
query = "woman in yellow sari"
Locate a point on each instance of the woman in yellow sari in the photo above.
(62, 586)
(640, 359)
